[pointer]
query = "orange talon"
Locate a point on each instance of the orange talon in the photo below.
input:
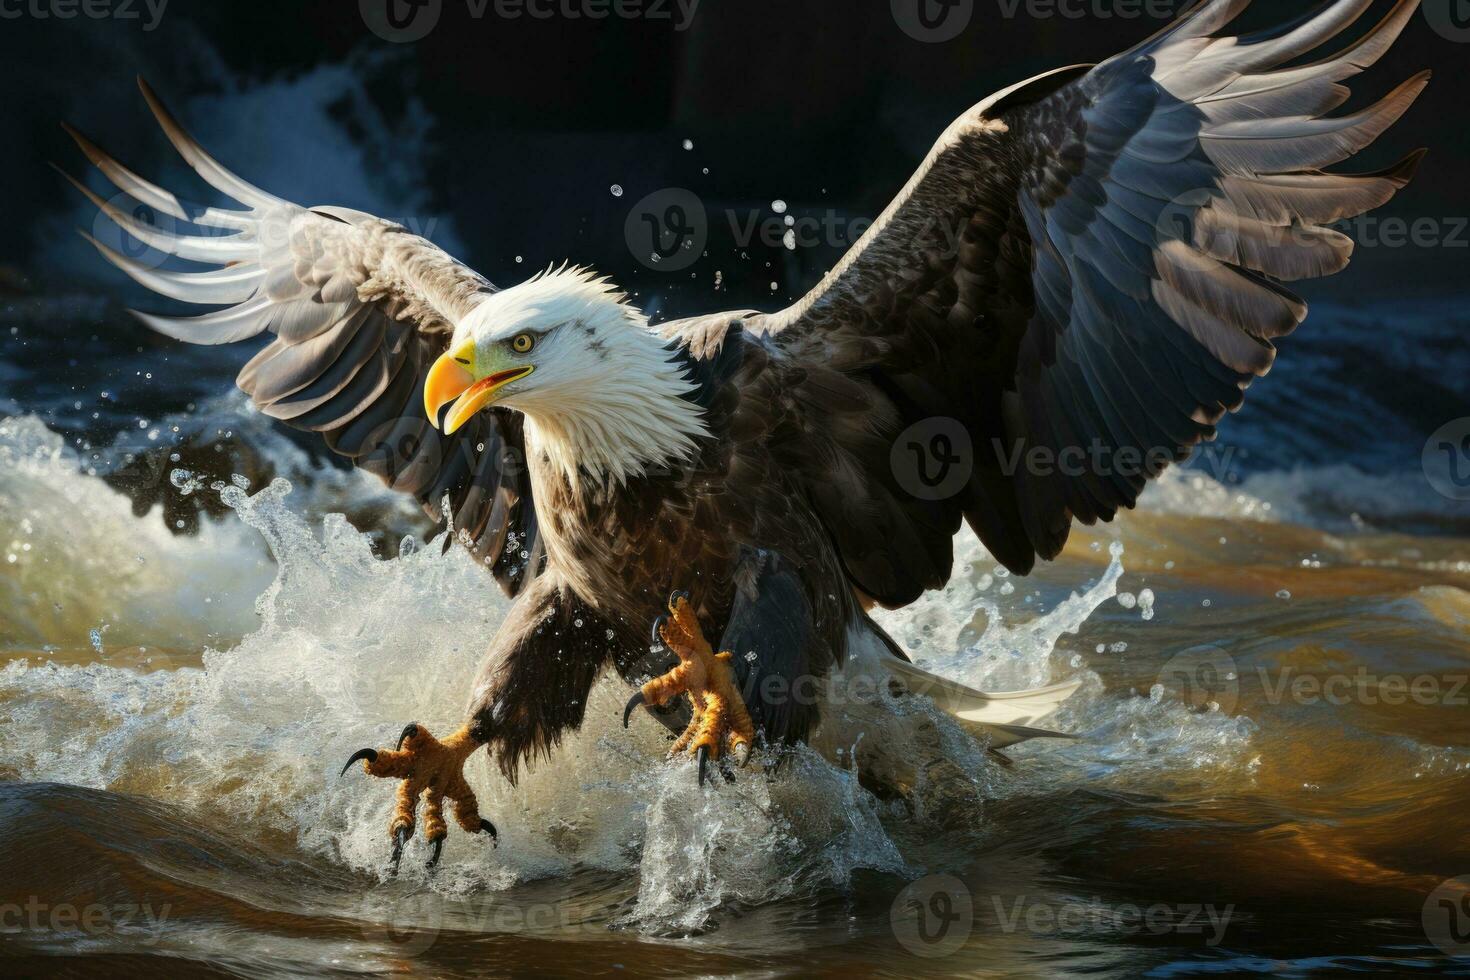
(431, 771)
(719, 721)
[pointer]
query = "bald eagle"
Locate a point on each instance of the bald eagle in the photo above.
(1090, 262)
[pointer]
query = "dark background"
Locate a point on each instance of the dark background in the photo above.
(502, 137)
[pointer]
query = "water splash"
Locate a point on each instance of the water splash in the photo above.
(344, 647)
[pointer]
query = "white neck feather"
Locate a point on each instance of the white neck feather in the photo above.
(610, 401)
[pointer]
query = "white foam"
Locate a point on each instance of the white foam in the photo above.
(83, 562)
(348, 647)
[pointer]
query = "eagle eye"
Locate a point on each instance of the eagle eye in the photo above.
(522, 343)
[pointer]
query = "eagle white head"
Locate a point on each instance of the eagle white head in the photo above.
(601, 393)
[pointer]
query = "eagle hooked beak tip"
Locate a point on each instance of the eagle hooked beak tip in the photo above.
(447, 380)
(450, 381)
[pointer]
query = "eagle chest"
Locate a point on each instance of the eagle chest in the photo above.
(637, 542)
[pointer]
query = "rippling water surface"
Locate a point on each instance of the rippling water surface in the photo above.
(1274, 774)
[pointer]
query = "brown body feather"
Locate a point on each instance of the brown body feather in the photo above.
(1091, 261)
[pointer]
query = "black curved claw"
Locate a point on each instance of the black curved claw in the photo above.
(678, 594)
(655, 636)
(633, 702)
(486, 827)
(438, 843)
(409, 731)
(702, 754)
(370, 755)
(400, 837)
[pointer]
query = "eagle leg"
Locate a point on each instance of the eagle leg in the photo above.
(720, 721)
(432, 772)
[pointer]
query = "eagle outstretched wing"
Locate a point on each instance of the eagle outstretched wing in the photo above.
(359, 309)
(1091, 261)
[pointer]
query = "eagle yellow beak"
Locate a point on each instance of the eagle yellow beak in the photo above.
(450, 381)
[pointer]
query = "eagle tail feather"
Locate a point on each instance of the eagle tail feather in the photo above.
(1005, 718)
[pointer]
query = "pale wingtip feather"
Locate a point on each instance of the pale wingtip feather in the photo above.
(214, 173)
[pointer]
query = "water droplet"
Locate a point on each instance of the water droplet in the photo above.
(688, 144)
(617, 190)
(778, 206)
